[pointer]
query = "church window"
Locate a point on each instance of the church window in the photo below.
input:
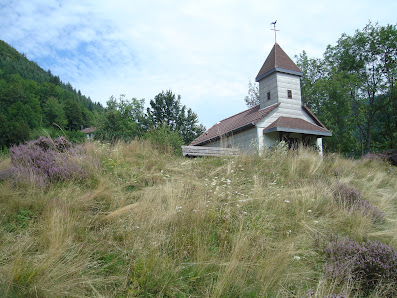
(290, 94)
(268, 96)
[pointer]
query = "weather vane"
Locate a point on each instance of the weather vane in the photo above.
(275, 31)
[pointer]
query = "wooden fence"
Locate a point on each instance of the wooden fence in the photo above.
(208, 151)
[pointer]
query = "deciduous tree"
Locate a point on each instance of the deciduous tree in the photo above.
(352, 89)
(73, 115)
(252, 99)
(54, 113)
(122, 120)
(166, 109)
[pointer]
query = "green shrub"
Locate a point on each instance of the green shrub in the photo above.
(165, 139)
(4, 151)
(75, 136)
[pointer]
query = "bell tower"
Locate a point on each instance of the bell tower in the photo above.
(279, 81)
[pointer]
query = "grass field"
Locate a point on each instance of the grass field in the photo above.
(145, 222)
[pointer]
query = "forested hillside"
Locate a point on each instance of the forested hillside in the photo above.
(31, 99)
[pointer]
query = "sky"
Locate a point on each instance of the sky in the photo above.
(206, 51)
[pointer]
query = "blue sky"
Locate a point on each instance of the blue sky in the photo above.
(206, 51)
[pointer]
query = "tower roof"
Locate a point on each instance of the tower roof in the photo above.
(278, 60)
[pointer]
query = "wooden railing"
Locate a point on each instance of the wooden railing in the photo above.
(208, 151)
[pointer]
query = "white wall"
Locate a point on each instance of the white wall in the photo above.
(278, 84)
(215, 144)
(246, 140)
(270, 139)
(285, 110)
(291, 82)
(268, 84)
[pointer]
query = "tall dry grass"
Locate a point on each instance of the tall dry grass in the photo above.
(149, 223)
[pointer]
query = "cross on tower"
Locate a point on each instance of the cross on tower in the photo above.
(275, 31)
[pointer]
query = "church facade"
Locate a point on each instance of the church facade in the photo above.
(280, 116)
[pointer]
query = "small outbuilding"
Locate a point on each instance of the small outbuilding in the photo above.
(89, 132)
(280, 116)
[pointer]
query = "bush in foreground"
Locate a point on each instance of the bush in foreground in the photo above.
(390, 156)
(43, 161)
(370, 264)
(351, 199)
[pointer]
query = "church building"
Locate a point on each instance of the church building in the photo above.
(280, 116)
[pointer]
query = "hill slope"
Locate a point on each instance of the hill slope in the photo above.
(13, 62)
(31, 98)
(143, 222)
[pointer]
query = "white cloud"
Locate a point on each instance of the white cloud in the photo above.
(204, 50)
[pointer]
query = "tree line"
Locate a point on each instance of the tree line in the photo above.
(353, 90)
(32, 99)
(165, 121)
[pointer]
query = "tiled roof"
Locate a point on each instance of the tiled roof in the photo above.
(240, 121)
(311, 114)
(296, 125)
(277, 60)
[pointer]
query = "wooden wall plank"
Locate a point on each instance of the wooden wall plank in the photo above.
(208, 151)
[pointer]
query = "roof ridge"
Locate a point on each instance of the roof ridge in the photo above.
(246, 111)
(242, 120)
(237, 114)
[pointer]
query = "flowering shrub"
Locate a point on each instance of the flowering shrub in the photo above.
(369, 263)
(374, 156)
(43, 161)
(59, 144)
(351, 199)
(390, 156)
